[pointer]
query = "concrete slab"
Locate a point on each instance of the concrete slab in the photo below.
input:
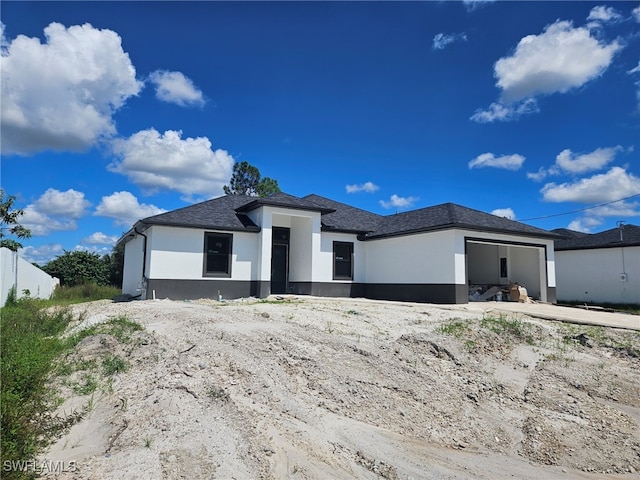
(547, 311)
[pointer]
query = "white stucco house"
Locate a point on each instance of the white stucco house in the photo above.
(238, 246)
(599, 267)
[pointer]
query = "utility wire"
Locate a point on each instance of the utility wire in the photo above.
(580, 209)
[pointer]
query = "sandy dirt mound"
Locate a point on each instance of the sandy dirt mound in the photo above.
(328, 388)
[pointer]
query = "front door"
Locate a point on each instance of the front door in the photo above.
(280, 260)
(279, 268)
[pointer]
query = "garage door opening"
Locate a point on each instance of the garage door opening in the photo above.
(500, 264)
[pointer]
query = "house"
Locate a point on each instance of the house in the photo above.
(237, 246)
(599, 267)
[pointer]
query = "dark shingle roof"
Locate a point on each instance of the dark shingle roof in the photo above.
(449, 215)
(230, 213)
(607, 239)
(345, 218)
(218, 213)
(566, 233)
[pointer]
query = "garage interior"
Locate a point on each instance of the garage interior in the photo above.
(494, 267)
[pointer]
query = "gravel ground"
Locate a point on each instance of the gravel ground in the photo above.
(323, 388)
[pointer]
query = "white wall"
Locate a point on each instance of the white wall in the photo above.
(178, 253)
(593, 276)
(324, 269)
(300, 250)
(17, 272)
(421, 258)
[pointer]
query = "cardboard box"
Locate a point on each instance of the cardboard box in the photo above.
(518, 293)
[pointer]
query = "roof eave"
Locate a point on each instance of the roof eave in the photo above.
(459, 226)
(265, 203)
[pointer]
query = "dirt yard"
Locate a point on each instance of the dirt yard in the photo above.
(342, 389)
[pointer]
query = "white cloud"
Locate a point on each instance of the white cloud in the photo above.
(472, 5)
(54, 211)
(506, 112)
(571, 163)
(636, 14)
(504, 212)
(398, 202)
(556, 61)
(99, 238)
(604, 14)
(368, 187)
(594, 217)
(605, 187)
(586, 162)
(168, 162)
(98, 250)
(584, 224)
(42, 254)
(62, 204)
(174, 87)
(441, 40)
(41, 224)
(633, 71)
(61, 95)
(125, 209)
(506, 162)
(559, 59)
(617, 209)
(538, 176)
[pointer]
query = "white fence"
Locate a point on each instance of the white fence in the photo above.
(16, 272)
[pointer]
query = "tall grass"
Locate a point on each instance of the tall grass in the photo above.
(30, 343)
(83, 293)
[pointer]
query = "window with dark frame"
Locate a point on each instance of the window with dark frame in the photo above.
(342, 261)
(217, 254)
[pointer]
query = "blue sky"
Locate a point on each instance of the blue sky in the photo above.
(116, 111)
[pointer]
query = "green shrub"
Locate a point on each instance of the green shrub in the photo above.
(29, 347)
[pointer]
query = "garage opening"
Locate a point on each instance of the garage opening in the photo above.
(499, 264)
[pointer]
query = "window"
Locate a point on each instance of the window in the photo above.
(217, 254)
(342, 261)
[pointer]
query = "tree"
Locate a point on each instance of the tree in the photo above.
(116, 264)
(246, 180)
(9, 223)
(76, 268)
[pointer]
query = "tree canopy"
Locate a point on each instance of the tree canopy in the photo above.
(78, 267)
(9, 223)
(246, 180)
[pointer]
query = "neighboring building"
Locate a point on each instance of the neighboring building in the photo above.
(600, 267)
(238, 246)
(24, 278)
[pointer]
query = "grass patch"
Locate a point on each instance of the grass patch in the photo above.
(113, 364)
(86, 292)
(120, 327)
(30, 346)
(455, 327)
(512, 326)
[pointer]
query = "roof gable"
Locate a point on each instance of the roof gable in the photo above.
(284, 200)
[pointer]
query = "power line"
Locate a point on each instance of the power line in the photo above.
(580, 209)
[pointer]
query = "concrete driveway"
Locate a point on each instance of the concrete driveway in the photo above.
(555, 312)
